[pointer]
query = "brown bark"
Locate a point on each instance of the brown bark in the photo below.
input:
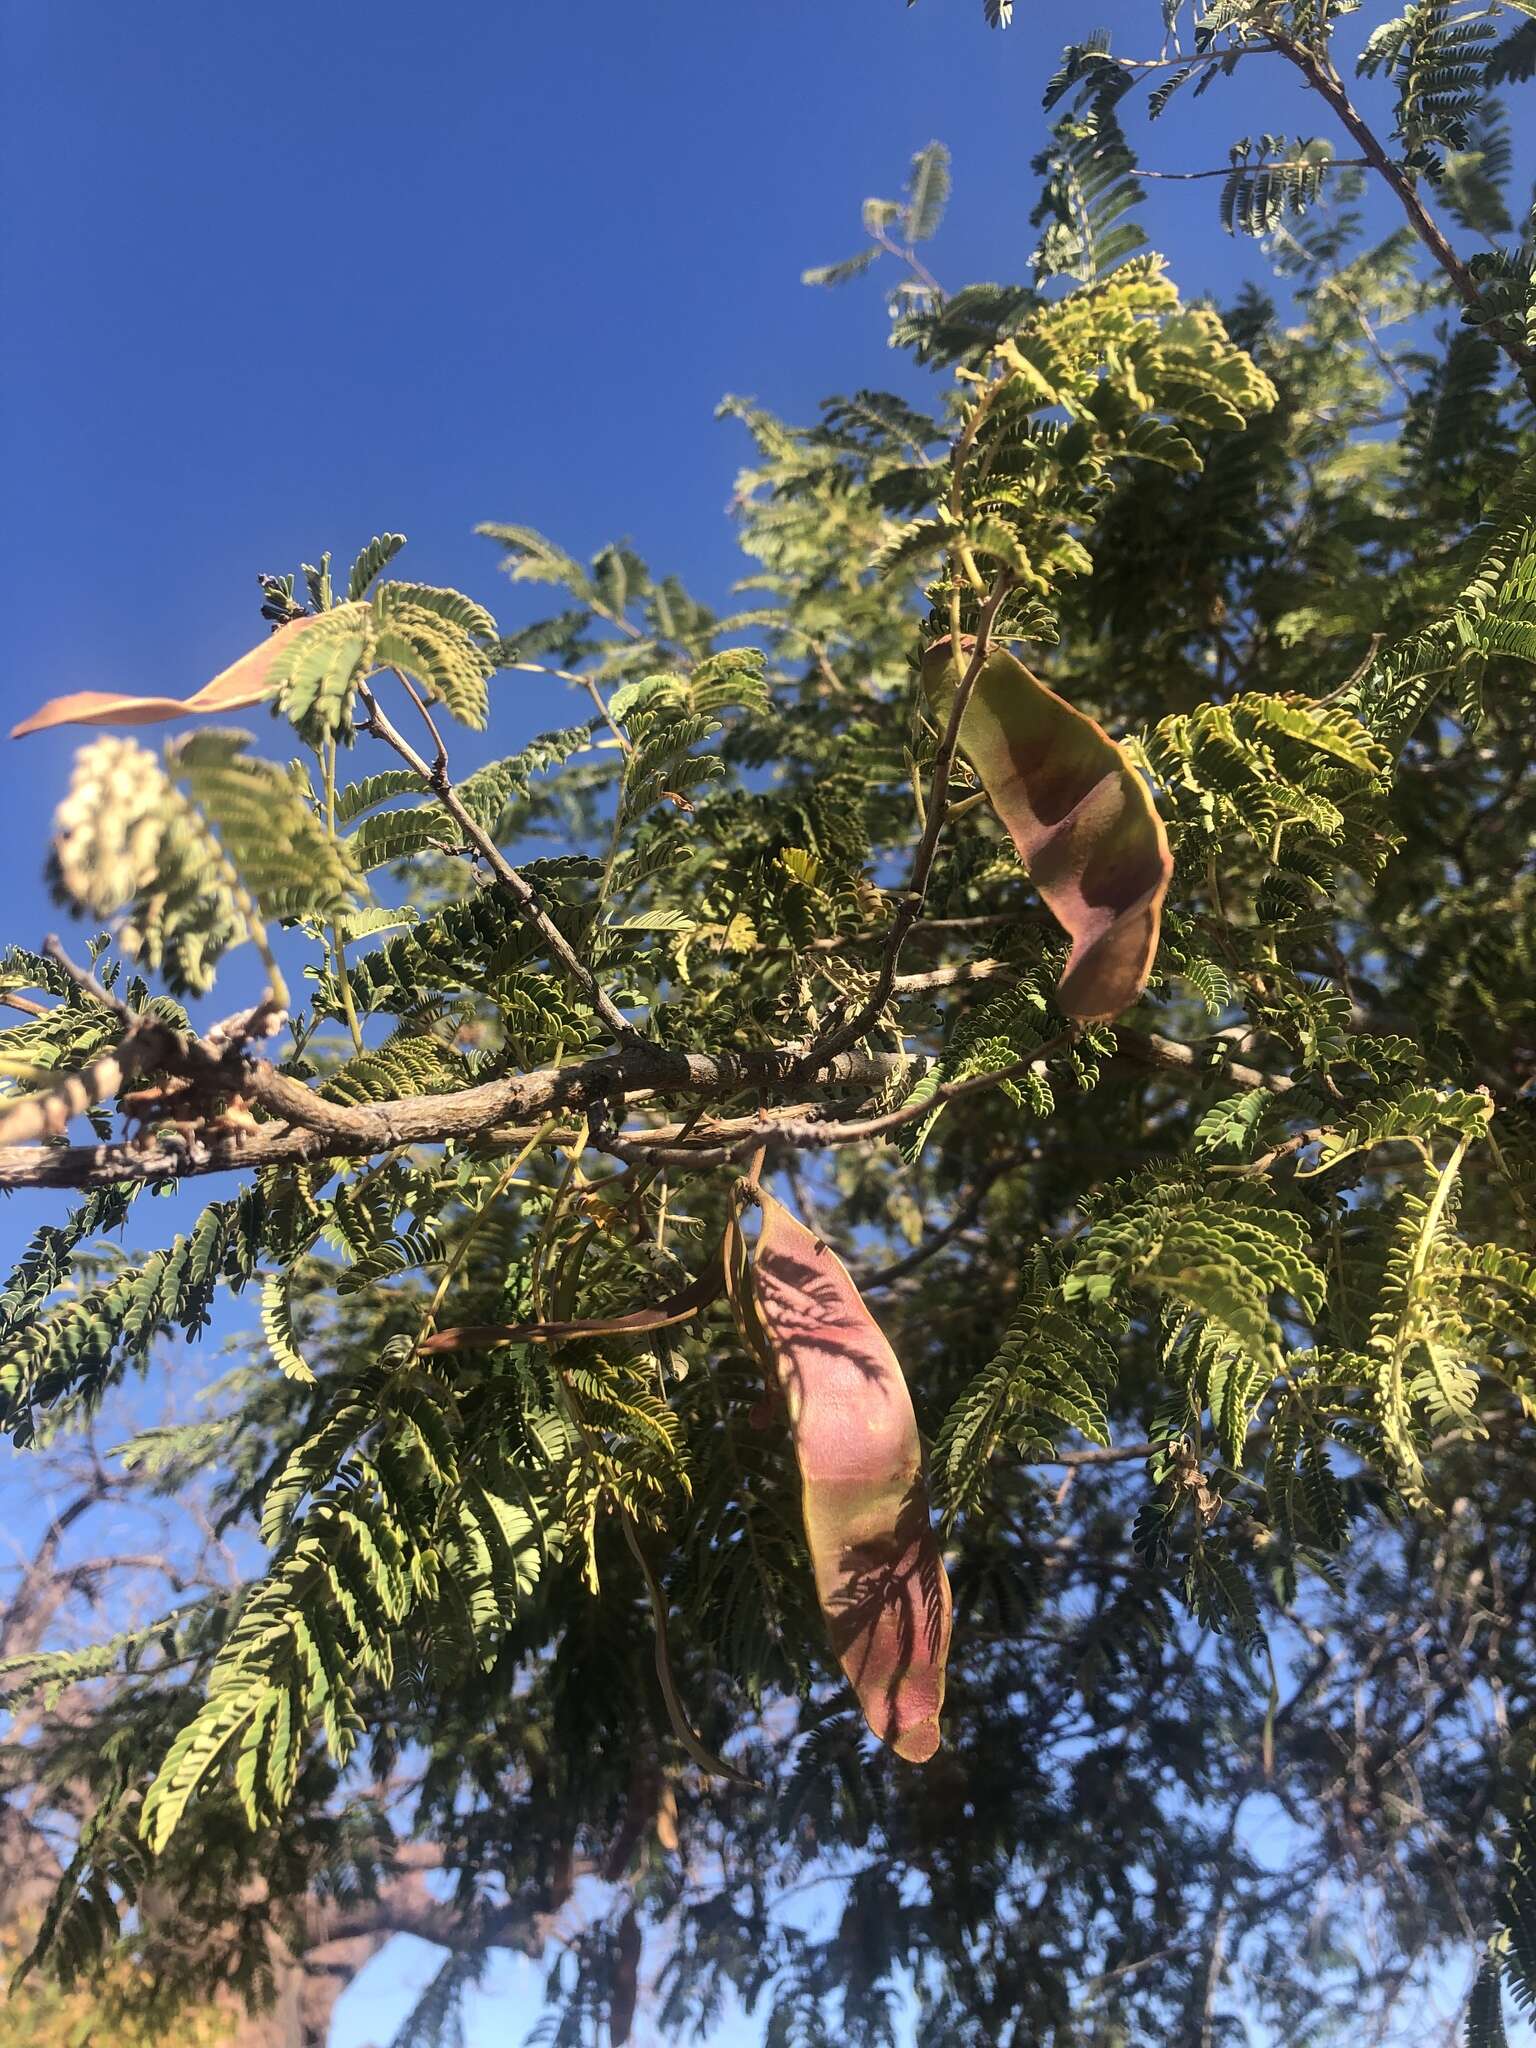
(505, 1111)
(313, 1128)
(341, 1939)
(309, 1989)
(337, 1939)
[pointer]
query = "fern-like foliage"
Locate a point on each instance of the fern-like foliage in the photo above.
(1217, 1320)
(1226, 1254)
(1437, 56)
(1485, 2009)
(198, 851)
(1050, 1377)
(1489, 615)
(1090, 186)
(1273, 179)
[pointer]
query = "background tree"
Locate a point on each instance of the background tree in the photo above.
(1215, 1309)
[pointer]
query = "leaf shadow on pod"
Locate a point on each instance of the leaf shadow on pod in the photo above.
(1080, 817)
(880, 1578)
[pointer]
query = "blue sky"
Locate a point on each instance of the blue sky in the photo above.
(280, 278)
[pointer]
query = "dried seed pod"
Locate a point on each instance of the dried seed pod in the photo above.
(246, 681)
(1081, 817)
(879, 1574)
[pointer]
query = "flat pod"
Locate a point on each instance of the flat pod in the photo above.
(1082, 819)
(879, 1574)
(243, 682)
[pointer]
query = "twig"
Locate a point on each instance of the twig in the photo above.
(1320, 73)
(966, 1211)
(86, 982)
(1336, 286)
(955, 976)
(439, 749)
(589, 684)
(1252, 1169)
(558, 946)
(816, 1134)
(677, 1713)
(1100, 1454)
(910, 908)
(1213, 1968)
(905, 253)
(930, 928)
(1331, 163)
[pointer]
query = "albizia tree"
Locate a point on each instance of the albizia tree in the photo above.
(895, 1274)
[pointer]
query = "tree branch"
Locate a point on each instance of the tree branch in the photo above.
(405, 1906)
(1099, 1454)
(1149, 1049)
(1320, 73)
(1301, 163)
(313, 1128)
(818, 1133)
(966, 1211)
(38, 1594)
(48, 1112)
(956, 975)
(510, 1111)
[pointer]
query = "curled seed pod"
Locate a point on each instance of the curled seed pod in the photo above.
(1081, 817)
(879, 1574)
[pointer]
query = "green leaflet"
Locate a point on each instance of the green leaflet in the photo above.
(1485, 2008)
(1053, 1373)
(277, 1323)
(376, 556)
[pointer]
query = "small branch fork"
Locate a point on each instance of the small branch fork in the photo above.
(1323, 77)
(210, 1068)
(435, 776)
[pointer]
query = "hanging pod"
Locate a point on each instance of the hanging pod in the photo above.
(880, 1576)
(1081, 817)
